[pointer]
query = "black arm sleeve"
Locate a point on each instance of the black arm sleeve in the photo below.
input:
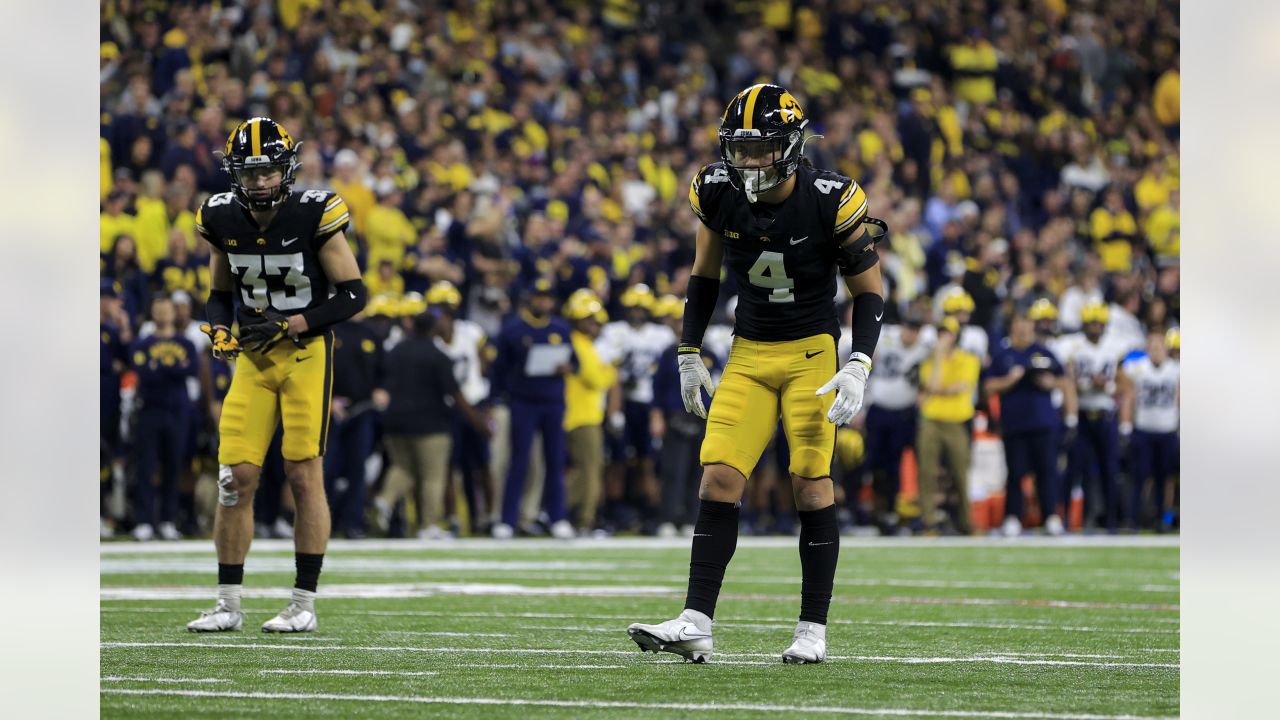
(698, 307)
(349, 299)
(868, 310)
(219, 309)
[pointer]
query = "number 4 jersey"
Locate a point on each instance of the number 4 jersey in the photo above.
(279, 265)
(783, 256)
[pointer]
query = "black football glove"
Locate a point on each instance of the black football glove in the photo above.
(263, 329)
(224, 344)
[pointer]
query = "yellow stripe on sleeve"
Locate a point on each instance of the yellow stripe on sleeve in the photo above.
(334, 215)
(851, 209)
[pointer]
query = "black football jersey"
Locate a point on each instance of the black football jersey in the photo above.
(782, 256)
(277, 266)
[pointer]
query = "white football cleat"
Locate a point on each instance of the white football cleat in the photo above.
(562, 530)
(292, 619)
(1012, 527)
(680, 636)
(808, 645)
(168, 531)
(1053, 526)
(143, 533)
(502, 531)
(220, 619)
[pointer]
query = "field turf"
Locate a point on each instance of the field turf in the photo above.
(1069, 628)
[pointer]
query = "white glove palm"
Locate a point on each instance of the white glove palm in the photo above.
(693, 378)
(851, 381)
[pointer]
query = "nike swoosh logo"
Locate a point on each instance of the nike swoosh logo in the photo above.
(797, 242)
(814, 544)
(812, 355)
(880, 316)
(682, 634)
(287, 242)
(300, 359)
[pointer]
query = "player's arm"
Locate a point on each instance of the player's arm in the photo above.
(859, 263)
(700, 303)
(1070, 396)
(350, 295)
(220, 307)
(1125, 398)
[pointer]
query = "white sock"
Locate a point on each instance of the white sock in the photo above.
(306, 599)
(230, 596)
(698, 618)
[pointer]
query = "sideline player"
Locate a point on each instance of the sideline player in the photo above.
(282, 257)
(783, 227)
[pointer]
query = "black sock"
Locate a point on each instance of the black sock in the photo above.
(715, 537)
(230, 574)
(308, 570)
(819, 550)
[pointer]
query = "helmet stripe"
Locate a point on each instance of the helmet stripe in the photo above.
(255, 132)
(751, 106)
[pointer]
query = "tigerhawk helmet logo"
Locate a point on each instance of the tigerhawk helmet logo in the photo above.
(791, 111)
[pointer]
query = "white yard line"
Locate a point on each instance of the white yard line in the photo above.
(601, 704)
(998, 659)
(388, 673)
(637, 543)
(135, 678)
(443, 633)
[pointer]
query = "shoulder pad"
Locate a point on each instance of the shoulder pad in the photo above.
(706, 189)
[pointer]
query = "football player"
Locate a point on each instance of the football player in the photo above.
(784, 228)
(1150, 392)
(281, 265)
(1091, 363)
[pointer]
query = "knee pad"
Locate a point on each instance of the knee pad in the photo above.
(226, 496)
(810, 463)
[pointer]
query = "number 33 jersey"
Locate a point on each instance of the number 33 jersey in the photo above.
(783, 256)
(277, 266)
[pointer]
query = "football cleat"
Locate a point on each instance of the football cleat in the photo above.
(808, 645)
(503, 531)
(220, 619)
(143, 533)
(679, 636)
(292, 619)
(1053, 526)
(168, 531)
(1012, 527)
(562, 530)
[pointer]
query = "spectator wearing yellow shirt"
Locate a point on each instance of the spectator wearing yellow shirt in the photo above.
(384, 280)
(1114, 232)
(948, 379)
(1166, 100)
(114, 221)
(974, 63)
(388, 231)
(1152, 190)
(1164, 230)
(584, 393)
(348, 181)
(160, 211)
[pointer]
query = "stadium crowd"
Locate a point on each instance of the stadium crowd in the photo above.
(517, 175)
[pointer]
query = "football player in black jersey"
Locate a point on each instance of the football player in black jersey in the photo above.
(784, 229)
(281, 265)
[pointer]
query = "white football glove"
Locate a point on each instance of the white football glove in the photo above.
(693, 378)
(851, 381)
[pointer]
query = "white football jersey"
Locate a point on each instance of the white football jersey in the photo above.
(1090, 359)
(464, 351)
(717, 340)
(636, 352)
(1156, 389)
(1059, 346)
(894, 382)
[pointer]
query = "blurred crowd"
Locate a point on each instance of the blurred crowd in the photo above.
(499, 157)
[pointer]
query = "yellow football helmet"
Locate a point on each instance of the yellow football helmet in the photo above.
(957, 300)
(850, 447)
(412, 304)
(583, 304)
(1043, 309)
(1095, 312)
(383, 306)
(444, 293)
(669, 306)
(639, 295)
(1173, 339)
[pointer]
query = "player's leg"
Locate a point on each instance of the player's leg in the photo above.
(1141, 452)
(304, 408)
(740, 423)
(1106, 443)
(1169, 470)
(245, 429)
(811, 439)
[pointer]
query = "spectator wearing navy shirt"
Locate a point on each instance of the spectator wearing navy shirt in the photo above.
(163, 361)
(115, 334)
(535, 396)
(1024, 373)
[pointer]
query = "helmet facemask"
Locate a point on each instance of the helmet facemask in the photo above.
(759, 163)
(245, 174)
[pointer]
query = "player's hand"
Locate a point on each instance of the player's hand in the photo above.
(265, 328)
(851, 382)
(1126, 434)
(693, 379)
(225, 345)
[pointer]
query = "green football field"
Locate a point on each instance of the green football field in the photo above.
(1068, 628)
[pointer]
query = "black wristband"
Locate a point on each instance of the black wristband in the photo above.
(220, 309)
(698, 307)
(348, 299)
(868, 310)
